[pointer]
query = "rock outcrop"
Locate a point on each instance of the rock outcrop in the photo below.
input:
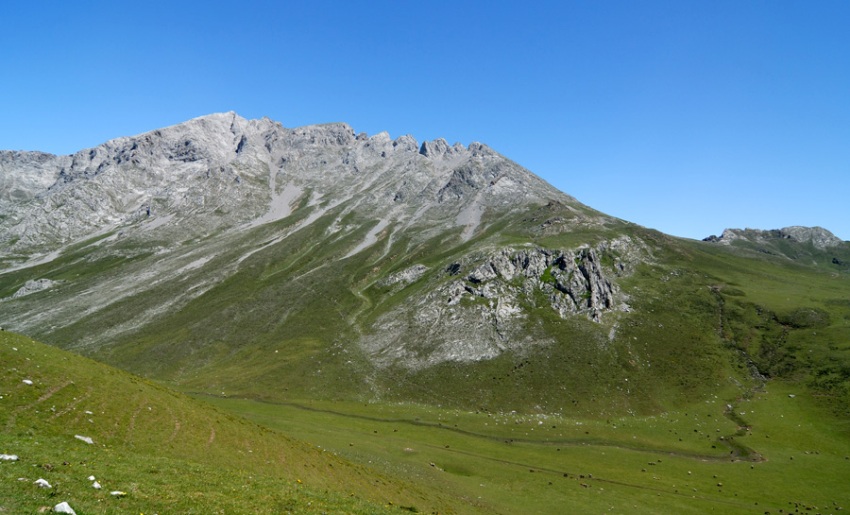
(36, 286)
(478, 307)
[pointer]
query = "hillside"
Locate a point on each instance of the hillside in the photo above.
(166, 452)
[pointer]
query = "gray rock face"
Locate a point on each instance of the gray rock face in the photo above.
(31, 287)
(23, 175)
(405, 276)
(478, 313)
(220, 172)
(818, 236)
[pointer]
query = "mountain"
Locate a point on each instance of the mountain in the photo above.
(239, 256)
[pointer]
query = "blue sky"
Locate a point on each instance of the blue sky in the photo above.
(688, 117)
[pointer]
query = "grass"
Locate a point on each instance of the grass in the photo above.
(174, 454)
(677, 461)
(167, 452)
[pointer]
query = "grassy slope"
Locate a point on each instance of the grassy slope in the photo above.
(169, 453)
(789, 320)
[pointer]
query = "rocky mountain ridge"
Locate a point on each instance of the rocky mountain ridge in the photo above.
(222, 172)
(819, 237)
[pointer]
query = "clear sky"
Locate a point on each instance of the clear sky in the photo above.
(685, 116)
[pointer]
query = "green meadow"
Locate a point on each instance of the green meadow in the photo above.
(776, 452)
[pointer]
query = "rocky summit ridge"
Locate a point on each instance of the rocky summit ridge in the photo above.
(223, 171)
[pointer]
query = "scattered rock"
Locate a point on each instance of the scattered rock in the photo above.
(27, 382)
(8, 457)
(117, 493)
(42, 483)
(31, 287)
(86, 439)
(406, 276)
(64, 507)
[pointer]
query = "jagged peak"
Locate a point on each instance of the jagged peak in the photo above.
(820, 237)
(382, 137)
(338, 133)
(406, 142)
(435, 148)
(229, 121)
(480, 149)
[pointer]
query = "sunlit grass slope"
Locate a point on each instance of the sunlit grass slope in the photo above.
(168, 453)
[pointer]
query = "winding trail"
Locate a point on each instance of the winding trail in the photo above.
(736, 448)
(10, 422)
(211, 439)
(71, 405)
(588, 479)
(567, 442)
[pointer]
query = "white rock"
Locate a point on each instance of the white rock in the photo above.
(42, 483)
(64, 507)
(27, 381)
(91, 478)
(86, 439)
(117, 493)
(8, 457)
(31, 287)
(96, 485)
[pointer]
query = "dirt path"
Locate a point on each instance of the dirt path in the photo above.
(750, 455)
(587, 480)
(211, 439)
(13, 417)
